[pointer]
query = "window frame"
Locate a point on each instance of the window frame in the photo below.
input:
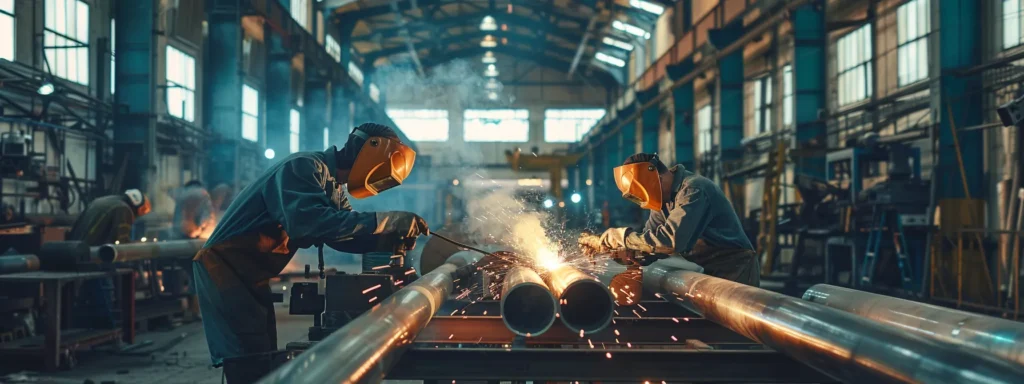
(424, 124)
(332, 47)
(13, 16)
(303, 18)
(857, 69)
(763, 104)
(467, 119)
(578, 122)
(174, 86)
(912, 50)
(788, 96)
(1017, 22)
(251, 114)
(67, 56)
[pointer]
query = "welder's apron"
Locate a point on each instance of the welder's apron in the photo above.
(736, 264)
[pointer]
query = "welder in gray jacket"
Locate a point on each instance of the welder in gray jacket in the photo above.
(690, 217)
(297, 203)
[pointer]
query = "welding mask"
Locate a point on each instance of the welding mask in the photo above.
(640, 183)
(381, 164)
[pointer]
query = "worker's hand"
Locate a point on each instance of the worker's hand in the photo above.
(614, 238)
(590, 244)
(401, 224)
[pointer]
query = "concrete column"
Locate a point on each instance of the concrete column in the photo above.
(649, 120)
(278, 95)
(809, 84)
(341, 114)
(730, 82)
(682, 101)
(223, 91)
(135, 82)
(315, 118)
(958, 48)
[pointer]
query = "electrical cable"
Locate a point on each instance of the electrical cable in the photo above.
(461, 245)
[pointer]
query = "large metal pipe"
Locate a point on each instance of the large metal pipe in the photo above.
(365, 349)
(173, 249)
(847, 347)
(65, 255)
(18, 263)
(999, 337)
(584, 304)
(527, 305)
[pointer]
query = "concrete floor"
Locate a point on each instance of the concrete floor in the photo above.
(178, 355)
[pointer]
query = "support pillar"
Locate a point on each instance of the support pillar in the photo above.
(958, 49)
(730, 83)
(135, 82)
(279, 94)
(223, 91)
(315, 120)
(682, 101)
(649, 121)
(809, 80)
(341, 114)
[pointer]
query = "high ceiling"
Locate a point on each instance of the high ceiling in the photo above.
(561, 34)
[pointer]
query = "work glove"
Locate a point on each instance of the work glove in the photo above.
(400, 224)
(590, 244)
(614, 238)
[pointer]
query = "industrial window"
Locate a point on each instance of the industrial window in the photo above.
(250, 113)
(7, 30)
(113, 38)
(374, 93)
(569, 125)
(300, 12)
(913, 26)
(421, 124)
(66, 39)
(294, 127)
(763, 104)
(181, 84)
(333, 48)
(704, 129)
(327, 138)
(1012, 20)
(787, 95)
(854, 59)
(505, 125)
(355, 73)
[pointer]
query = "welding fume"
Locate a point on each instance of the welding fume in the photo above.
(297, 203)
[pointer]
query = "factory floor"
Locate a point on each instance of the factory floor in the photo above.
(177, 355)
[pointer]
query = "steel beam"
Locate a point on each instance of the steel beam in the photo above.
(985, 334)
(842, 345)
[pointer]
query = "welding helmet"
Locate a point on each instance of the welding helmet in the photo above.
(381, 164)
(140, 204)
(640, 183)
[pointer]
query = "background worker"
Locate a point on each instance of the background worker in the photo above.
(297, 203)
(690, 217)
(193, 212)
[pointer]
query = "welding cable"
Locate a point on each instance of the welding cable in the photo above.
(460, 245)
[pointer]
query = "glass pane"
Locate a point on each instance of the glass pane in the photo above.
(250, 128)
(422, 124)
(7, 39)
(82, 23)
(569, 125)
(497, 125)
(7, 6)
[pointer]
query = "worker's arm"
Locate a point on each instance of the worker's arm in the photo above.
(297, 200)
(122, 218)
(678, 229)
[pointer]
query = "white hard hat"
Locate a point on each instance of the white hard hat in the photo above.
(135, 197)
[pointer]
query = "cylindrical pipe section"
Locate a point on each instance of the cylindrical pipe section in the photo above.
(584, 304)
(847, 347)
(65, 255)
(999, 337)
(174, 249)
(18, 263)
(527, 306)
(364, 350)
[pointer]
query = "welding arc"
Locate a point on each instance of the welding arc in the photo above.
(527, 306)
(584, 303)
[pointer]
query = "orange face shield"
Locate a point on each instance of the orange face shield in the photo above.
(381, 164)
(640, 183)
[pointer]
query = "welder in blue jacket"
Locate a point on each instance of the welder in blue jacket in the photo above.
(297, 203)
(690, 217)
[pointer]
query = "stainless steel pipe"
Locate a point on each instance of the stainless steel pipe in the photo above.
(584, 303)
(18, 263)
(527, 306)
(847, 347)
(173, 249)
(986, 334)
(365, 349)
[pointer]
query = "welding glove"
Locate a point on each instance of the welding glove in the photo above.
(614, 238)
(400, 224)
(590, 244)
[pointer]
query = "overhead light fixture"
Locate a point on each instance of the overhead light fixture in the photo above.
(488, 24)
(489, 58)
(647, 6)
(488, 42)
(493, 84)
(530, 182)
(46, 88)
(631, 29)
(576, 198)
(269, 153)
(610, 59)
(617, 43)
(491, 71)
(548, 203)
(492, 95)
